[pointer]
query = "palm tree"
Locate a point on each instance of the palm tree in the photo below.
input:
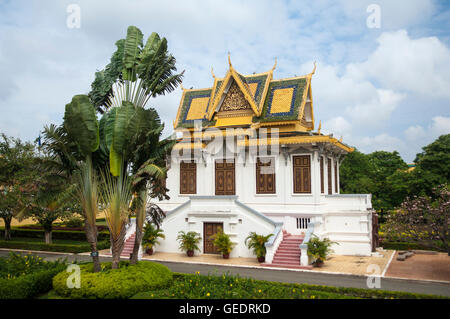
(258, 244)
(151, 235)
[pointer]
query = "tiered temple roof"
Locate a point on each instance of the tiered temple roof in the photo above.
(255, 101)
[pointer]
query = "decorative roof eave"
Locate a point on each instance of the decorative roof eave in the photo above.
(177, 119)
(296, 140)
(184, 146)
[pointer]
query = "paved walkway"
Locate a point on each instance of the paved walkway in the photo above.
(351, 265)
(425, 266)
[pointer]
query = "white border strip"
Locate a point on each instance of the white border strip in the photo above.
(388, 264)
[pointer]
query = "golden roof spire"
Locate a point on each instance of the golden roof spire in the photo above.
(182, 87)
(229, 59)
(212, 72)
(314, 70)
(275, 65)
(320, 126)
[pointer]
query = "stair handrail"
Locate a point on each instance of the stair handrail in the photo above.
(304, 259)
(273, 243)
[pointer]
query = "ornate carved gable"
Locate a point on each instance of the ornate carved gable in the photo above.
(234, 103)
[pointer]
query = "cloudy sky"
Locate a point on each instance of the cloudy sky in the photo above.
(385, 88)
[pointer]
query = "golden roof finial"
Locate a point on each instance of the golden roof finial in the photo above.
(314, 70)
(212, 72)
(229, 59)
(320, 126)
(340, 140)
(275, 65)
(182, 87)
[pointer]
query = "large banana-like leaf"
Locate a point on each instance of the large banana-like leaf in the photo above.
(81, 124)
(101, 89)
(132, 50)
(115, 162)
(124, 127)
(108, 129)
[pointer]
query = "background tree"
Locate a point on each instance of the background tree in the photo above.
(356, 173)
(384, 164)
(16, 174)
(48, 201)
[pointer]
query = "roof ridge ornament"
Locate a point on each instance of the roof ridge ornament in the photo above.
(275, 65)
(314, 70)
(212, 72)
(229, 60)
(181, 86)
(320, 126)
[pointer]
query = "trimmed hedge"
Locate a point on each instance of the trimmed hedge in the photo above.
(186, 286)
(120, 283)
(408, 246)
(67, 248)
(56, 234)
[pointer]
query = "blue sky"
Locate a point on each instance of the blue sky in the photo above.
(384, 88)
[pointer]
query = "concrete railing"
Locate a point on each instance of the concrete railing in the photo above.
(273, 243)
(304, 258)
(339, 202)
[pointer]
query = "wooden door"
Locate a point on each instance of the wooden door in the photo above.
(210, 229)
(302, 174)
(225, 178)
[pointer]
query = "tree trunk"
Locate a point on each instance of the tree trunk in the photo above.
(137, 243)
(48, 235)
(91, 235)
(7, 227)
(117, 245)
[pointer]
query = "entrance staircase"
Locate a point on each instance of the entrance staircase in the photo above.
(127, 248)
(288, 253)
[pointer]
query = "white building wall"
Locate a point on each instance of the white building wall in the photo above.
(345, 218)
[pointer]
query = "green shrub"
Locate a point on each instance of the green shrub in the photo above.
(26, 276)
(56, 234)
(41, 246)
(74, 222)
(124, 282)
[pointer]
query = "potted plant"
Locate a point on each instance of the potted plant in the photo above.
(223, 243)
(189, 242)
(258, 244)
(150, 237)
(319, 250)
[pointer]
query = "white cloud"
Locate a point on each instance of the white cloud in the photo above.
(414, 133)
(440, 125)
(413, 65)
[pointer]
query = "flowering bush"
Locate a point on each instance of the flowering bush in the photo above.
(422, 219)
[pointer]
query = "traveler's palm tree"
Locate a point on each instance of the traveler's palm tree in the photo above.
(126, 140)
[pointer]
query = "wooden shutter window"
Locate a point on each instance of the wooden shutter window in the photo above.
(335, 178)
(302, 174)
(330, 185)
(225, 178)
(188, 178)
(322, 182)
(265, 176)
